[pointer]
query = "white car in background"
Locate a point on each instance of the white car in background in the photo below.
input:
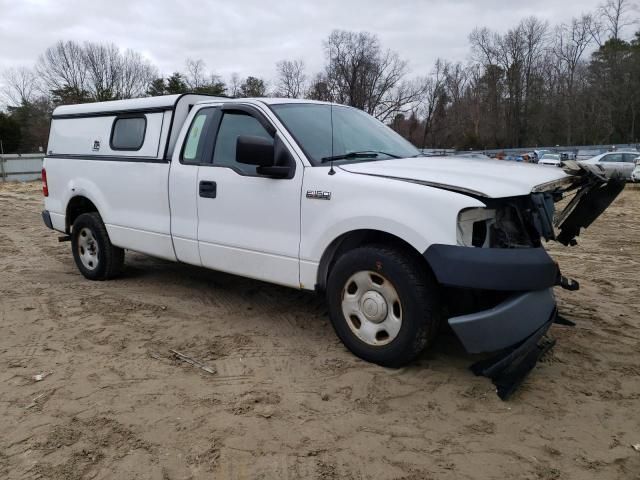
(635, 175)
(614, 164)
(586, 154)
(550, 160)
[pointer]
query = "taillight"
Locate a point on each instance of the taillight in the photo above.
(45, 188)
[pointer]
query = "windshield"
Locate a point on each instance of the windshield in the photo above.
(324, 131)
(550, 157)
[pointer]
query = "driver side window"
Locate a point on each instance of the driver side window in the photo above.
(232, 125)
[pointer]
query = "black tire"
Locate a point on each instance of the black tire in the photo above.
(416, 288)
(109, 259)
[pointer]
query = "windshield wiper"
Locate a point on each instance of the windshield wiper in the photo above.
(362, 154)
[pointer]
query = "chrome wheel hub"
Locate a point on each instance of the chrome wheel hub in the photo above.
(371, 306)
(88, 249)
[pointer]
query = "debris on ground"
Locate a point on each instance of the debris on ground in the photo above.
(41, 376)
(193, 361)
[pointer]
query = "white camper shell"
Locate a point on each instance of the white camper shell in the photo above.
(100, 150)
(91, 129)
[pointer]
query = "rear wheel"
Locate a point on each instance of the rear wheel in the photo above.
(383, 304)
(95, 256)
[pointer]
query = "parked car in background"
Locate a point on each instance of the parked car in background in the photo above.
(478, 156)
(538, 154)
(587, 154)
(568, 155)
(635, 175)
(615, 164)
(550, 159)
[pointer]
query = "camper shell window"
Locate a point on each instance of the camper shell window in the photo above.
(127, 132)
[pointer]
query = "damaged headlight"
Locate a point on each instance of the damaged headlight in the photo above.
(505, 223)
(474, 225)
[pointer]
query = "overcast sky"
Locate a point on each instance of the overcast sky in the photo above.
(249, 36)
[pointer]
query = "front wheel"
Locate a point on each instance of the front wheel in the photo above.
(95, 256)
(383, 304)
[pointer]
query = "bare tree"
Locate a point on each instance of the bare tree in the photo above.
(196, 76)
(136, 75)
(518, 54)
(234, 85)
(291, 78)
(63, 66)
(615, 17)
(20, 86)
(319, 89)
(571, 41)
(103, 65)
(94, 71)
(359, 73)
(432, 92)
(535, 35)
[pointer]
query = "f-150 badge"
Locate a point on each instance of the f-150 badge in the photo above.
(319, 194)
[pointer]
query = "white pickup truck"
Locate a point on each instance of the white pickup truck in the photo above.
(323, 197)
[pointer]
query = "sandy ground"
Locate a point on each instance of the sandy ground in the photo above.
(288, 401)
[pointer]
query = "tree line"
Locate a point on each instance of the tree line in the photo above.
(535, 84)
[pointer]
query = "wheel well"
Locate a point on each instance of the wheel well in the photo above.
(76, 207)
(358, 238)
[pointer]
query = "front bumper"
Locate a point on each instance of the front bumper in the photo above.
(507, 323)
(525, 275)
(506, 269)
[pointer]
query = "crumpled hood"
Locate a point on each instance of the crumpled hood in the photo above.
(487, 178)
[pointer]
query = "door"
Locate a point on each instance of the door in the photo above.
(183, 183)
(248, 224)
(612, 164)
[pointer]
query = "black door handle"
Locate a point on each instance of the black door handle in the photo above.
(208, 189)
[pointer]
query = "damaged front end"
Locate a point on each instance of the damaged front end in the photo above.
(500, 291)
(522, 222)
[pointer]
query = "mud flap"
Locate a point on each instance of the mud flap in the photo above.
(508, 369)
(594, 195)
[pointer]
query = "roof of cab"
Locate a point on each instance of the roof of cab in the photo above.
(275, 101)
(266, 100)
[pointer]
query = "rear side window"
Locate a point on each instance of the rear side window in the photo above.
(197, 148)
(127, 133)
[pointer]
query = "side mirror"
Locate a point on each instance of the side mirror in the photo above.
(252, 150)
(271, 157)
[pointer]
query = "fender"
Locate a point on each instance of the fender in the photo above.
(362, 202)
(83, 187)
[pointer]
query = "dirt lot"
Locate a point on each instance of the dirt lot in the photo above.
(288, 401)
